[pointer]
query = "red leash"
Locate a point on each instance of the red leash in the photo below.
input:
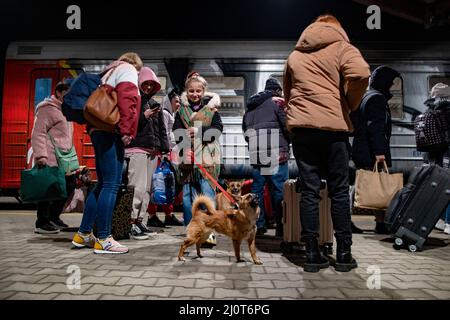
(226, 194)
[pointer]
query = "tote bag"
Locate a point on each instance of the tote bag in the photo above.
(375, 189)
(42, 184)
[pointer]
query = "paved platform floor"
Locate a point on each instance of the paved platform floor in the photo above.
(45, 267)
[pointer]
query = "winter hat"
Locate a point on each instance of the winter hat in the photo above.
(147, 74)
(273, 84)
(440, 90)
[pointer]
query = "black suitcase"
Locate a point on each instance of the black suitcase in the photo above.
(415, 209)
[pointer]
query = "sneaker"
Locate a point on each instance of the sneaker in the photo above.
(447, 228)
(59, 224)
(172, 221)
(137, 234)
(144, 229)
(210, 242)
(261, 231)
(81, 240)
(109, 246)
(440, 225)
(154, 221)
(46, 229)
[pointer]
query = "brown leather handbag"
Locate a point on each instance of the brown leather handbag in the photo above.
(101, 109)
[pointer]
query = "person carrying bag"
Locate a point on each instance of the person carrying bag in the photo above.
(54, 158)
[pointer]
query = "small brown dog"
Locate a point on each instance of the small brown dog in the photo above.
(234, 188)
(237, 224)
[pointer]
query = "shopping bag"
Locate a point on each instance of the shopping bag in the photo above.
(42, 184)
(375, 189)
(163, 184)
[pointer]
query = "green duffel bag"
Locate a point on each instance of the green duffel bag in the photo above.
(42, 184)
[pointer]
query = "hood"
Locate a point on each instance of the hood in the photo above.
(212, 99)
(113, 64)
(319, 35)
(147, 74)
(382, 79)
(166, 104)
(257, 99)
(49, 102)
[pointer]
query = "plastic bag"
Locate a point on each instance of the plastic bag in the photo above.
(163, 185)
(75, 203)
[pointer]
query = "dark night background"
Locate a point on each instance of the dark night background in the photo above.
(198, 19)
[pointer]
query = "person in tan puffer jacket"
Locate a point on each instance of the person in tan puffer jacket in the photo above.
(324, 80)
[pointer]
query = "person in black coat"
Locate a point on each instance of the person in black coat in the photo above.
(264, 117)
(142, 153)
(373, 127)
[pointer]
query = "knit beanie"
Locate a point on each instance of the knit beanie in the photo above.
(273, 84)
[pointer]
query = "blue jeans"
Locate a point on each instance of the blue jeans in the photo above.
(109, 158)
(276, 182)
(190, 191)
(446, 215)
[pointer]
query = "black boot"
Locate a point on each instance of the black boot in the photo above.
(355, 229)
(381, 228)
(314, 259)
(344, 259)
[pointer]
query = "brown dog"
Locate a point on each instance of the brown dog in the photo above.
(237, 224)
(234, 189)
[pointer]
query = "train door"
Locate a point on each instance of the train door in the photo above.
(42, 84)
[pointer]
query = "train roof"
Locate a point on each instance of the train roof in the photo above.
(277, 49)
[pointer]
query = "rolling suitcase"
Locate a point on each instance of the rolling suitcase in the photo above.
(291, 219)
(415, 209)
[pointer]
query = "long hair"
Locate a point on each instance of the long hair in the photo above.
(133, 59)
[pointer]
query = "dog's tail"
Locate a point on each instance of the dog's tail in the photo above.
(203, 202)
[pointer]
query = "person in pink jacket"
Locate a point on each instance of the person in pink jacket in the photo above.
(49, 121)
(109, 147)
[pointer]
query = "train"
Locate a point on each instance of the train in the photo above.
(234, 69)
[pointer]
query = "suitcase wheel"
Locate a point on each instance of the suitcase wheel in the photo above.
(412, 248)
(286, 247)
(398, 241)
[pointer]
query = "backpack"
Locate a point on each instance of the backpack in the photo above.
(75, 99)
(431, 131)
(355, 116)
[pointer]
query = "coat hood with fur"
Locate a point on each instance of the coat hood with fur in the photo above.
(319, 35)
(212, 99)
(52, 102)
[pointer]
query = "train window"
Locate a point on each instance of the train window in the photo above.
(433, 80)
(43, 89)
(231, 91)
(396, 102)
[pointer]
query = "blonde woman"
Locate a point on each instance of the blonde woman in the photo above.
(122, 76)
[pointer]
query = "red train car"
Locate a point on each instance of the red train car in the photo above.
(26, 83)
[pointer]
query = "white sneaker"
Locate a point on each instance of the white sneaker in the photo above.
(440, 225)
(447, 228)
